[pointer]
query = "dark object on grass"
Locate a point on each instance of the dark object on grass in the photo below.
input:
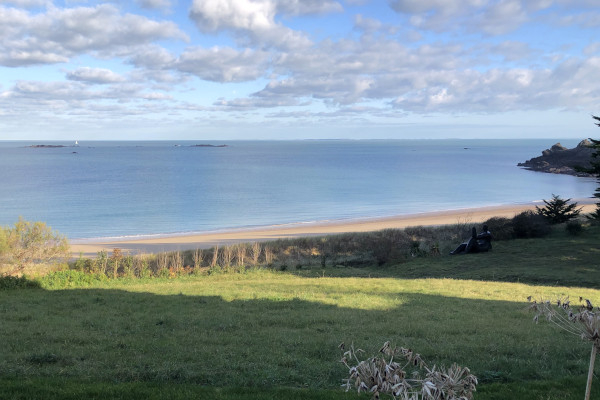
(476, 243)
(484, 240)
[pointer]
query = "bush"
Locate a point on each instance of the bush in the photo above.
(501, 228)
(30, 243)
(530, 225)
(389, 244)
(574, 228)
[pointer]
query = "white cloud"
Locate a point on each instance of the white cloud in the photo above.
(152, 57)
(490, 17)
(253, 21)
(223, 64)
(592, 48)
(19, 58)
(94, 75)
(424, 79)
(255, 103)
(503, 17)
(28, 3)
(512, 50)
(154, 96)
(215, 15)
(59, 34)
(587, 19)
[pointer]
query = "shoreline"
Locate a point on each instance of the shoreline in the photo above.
(203, 240)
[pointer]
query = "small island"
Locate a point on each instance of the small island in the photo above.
(209, 145)
(561, 160)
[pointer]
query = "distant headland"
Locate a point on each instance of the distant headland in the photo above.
(561, 160)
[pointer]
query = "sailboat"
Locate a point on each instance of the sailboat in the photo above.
(76, 143)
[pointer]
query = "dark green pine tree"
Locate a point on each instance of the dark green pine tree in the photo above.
(558, 210)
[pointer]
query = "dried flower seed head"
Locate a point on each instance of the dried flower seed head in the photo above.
(385, 347)
(378, 375)
(588, 305)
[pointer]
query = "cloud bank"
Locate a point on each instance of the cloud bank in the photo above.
(277, 61)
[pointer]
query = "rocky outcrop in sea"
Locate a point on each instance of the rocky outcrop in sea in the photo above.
(561, 160)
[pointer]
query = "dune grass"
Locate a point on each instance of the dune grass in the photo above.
(270, 335)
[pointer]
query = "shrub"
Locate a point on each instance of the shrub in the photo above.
(389, 244)
(501, 228)
(30, 243)
(530, 225)
(141, 266)
(574, 228)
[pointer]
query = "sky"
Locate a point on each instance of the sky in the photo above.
(298, 69)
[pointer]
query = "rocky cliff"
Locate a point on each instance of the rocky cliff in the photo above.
(560, 160)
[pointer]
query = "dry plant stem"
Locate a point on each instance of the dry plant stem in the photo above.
(588, 388)
(198, 257)
(256, 250)
(581, 321)
(215, 257)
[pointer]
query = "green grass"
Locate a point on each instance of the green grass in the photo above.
(273, 335)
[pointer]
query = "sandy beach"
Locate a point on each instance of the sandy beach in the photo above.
(89, 248)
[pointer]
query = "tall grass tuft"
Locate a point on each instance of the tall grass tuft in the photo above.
(240, 254)
(215, 258)
(255, 252)
(162, 264)
(198, 258)
(227, 256)
(115, 259)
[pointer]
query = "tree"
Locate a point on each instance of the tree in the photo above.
(30, 243)
(558, 210)
(595, 170)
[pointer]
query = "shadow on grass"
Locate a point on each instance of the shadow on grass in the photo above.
(8, 282)
(73, 389)
(100, 338)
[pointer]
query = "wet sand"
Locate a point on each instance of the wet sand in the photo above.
(90, 248)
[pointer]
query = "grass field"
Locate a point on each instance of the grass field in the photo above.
(275, 335)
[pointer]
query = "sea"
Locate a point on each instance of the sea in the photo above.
(126, 189)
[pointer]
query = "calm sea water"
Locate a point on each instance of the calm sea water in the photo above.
(116, 189)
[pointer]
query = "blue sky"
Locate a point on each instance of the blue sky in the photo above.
(297, 69)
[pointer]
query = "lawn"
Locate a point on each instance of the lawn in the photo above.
(272, 335)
